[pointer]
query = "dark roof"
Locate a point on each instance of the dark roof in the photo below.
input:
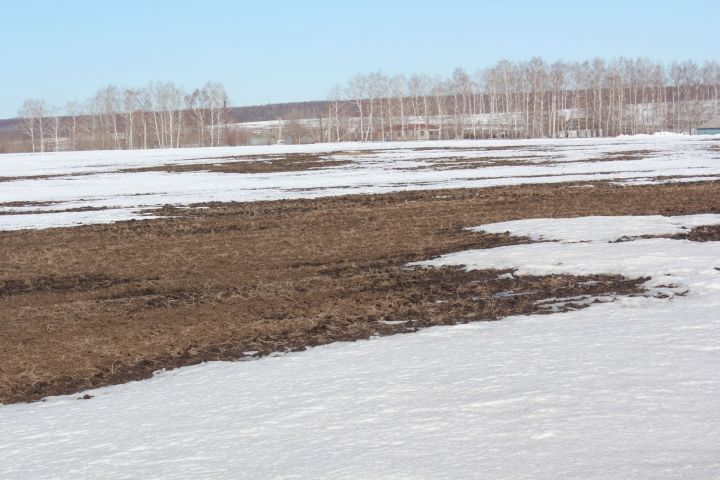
(715, 123)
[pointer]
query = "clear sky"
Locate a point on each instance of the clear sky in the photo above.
(279, 51)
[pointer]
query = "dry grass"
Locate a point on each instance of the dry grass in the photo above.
(103, 304)
(295, 162)
(458, 163)
(627, 155)
(455, 163)
(707, 233)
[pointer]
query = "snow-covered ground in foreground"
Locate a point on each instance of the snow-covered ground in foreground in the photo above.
(97, 180)
(624, 389)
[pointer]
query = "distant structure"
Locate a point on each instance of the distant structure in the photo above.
(579, 128)
(710, 128)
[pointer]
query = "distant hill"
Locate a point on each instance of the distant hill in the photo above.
(9, 126)
(274, 111)
(253, 113)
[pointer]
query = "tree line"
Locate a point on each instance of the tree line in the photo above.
(524, 99)
(529, 99)
(160, 115)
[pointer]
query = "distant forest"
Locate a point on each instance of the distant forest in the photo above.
(530, 99)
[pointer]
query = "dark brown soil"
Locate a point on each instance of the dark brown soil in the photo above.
(39, 212)
(102, 304)
(457, 163)
(626, 155)
(29, 177)
(286, 163)
(487, 148)
(295, 162)
(58, 284)
(25, 204)
(707, 233)
(454, 163)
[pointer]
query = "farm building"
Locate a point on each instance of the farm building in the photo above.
(710, 128)
(578, 128)
(409, 131)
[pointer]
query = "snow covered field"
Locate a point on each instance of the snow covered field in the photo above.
(81, 180)
(627, 388)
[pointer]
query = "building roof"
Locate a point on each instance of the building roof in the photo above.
(714, 123)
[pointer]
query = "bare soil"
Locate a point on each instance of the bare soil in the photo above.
(454, 163)
(487, 148)
(457, 163)
(295, 162)
(25, 204)
(706, 233)
(627, 155)
(102, 304)
(40, 212)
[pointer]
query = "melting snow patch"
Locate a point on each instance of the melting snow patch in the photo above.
(513, 294)
(394, 322)
(562, 304)
(596, 229)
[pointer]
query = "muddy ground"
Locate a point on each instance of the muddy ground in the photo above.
(96, 305)
(296, 162)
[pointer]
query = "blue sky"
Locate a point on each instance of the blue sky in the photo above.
(277, 51)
